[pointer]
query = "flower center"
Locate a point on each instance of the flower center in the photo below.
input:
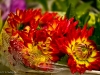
(81, 51)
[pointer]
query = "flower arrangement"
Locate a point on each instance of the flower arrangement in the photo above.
(37, 41)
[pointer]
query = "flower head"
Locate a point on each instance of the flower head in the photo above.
(30, 41)
(83, 54)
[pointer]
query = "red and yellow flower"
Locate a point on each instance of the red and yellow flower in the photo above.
(37, 40)
(30, 41)
(83, 54)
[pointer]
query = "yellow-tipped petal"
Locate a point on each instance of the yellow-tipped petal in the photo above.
(91, 59)
(79, 40)
(94, 53)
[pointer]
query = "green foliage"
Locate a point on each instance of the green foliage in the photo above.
(74, 3)
(98, 4)
(59, 5)
(82, 8)
(73, 8)
(84, 19)
(44, 4)
(96, 35)
(70, 11)
(37, 3)
(63, 60)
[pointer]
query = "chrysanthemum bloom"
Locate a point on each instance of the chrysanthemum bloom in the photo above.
(30, 41)
(83, 54)
(60, 29)
(61, 25)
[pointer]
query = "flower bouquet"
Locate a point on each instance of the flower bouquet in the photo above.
(35, 42)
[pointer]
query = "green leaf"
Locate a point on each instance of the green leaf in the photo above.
(96, 35)
(44, 4)
(98, 17)
(82, 8)
(59, 5)
(37, 2)
(63, 60)
(84, 19)
(70, 11)
(73, 2)
(98, 4)
(55, 7)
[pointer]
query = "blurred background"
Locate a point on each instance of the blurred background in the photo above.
(86, 11)
(78, 7)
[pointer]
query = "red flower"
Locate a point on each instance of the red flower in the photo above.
(30, 39)
(38, 40)
(83, 54)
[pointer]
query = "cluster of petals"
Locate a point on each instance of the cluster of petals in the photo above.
(38, 40)
(83, 52)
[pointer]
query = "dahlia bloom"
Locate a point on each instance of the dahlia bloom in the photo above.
(83, 54)
(7, 6)
(30, 41)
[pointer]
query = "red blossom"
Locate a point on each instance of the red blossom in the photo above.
(42, 39)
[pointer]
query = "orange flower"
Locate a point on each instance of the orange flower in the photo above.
(83, 54)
